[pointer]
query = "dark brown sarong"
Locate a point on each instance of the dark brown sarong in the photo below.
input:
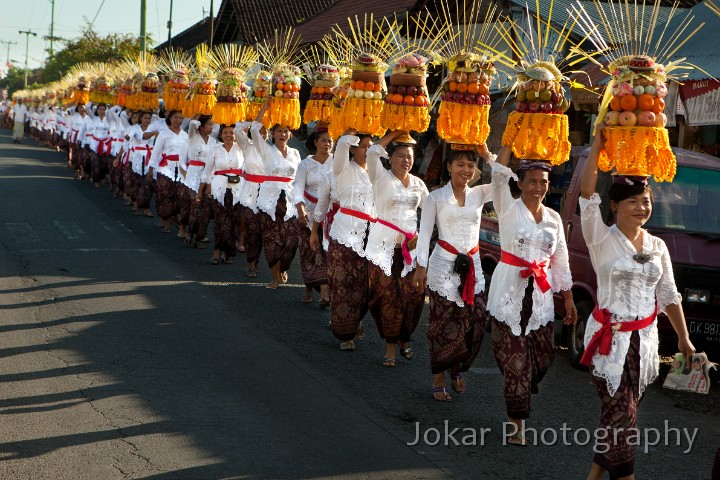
(200, 213)
(524, 360)
(185, 199)
(252, 233)
(348, 276)
(130, 180)
(99, 167)
(227, 219)
(143, 192)
(115, 172)
(620, 412)
(166, 197)
(394, 302)
(455, 333)
(279, 237)
(312, 262)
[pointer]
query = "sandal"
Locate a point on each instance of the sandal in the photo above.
(166, 230)
(199, 245)
(214, 261)
(272, 286)
(306, 299)
(388, 362)
(442, 390)
(360, 331)
(229, 260)
(456, 380)
(407, 353)
(251, 272)
(518, 440)
(241, 249)
(348, 346)
(283, 277)
(324, 303)
(205, 240)
(188, 241)
(149, 214)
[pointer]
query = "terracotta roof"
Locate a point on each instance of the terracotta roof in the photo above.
(250, 21)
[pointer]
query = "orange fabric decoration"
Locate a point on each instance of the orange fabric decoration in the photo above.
(227, 113)
(538, 136)
(463, 123)
(317, 111)
(638, 151)
(405, 117)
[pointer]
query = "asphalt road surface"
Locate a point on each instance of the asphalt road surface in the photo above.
(126, 355)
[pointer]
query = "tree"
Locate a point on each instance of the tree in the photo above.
(89, 47)
(15, 79)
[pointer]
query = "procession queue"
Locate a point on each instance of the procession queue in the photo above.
(373, 239)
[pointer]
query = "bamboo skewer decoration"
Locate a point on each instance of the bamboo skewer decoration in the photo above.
(201, 95)
(284, 89)
(176, 64)
(324, 76)
(231, 63)
(538, 129)
(638, 56)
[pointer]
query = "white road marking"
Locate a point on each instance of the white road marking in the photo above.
(22, 232)
(71, 230)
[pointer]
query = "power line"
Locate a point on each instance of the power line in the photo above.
(8, 49)
(98, 12)
(27, 34)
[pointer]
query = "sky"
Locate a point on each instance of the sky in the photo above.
(111, 16)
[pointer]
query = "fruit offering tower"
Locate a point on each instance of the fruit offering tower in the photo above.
(260, 89)
(325, 79)
(407, 104)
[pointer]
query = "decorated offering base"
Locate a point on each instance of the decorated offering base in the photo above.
(230, 106)
(284, 112)
(539, 136)
(463, 147)
(318, 108)
(406, 104)
(359, 114)
(463, 124)
(638, 151)
(202, 99)
(260, 90)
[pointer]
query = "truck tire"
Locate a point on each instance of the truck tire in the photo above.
(576, 342)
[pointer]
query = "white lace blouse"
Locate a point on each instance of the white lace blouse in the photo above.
(139, 155)
(310, 177)
(460, 227)
(354, 191)
(169, 143)
(221, 159)
(275, 166)
(197, 150)
(629, 290)
(521, 236)
(395, 203)
(253, 165)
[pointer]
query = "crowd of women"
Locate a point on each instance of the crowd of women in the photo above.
(365, 234)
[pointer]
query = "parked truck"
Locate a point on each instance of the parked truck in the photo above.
(686, 215)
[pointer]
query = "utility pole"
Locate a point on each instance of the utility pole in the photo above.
(7, 63)
(212, 23)
(27, 34)
(169, 26)
(143, 5)
(52, 26)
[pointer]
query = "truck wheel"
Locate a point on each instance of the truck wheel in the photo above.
(576, 342)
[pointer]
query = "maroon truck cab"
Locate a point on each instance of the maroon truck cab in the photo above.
(686, 215)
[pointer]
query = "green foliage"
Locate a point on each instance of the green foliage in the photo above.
(89, 47)
(15, 79)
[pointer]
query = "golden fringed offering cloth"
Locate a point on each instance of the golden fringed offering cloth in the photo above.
(252, 110)
(229, 113)
(284, 112)
(81, 96)
(462, 123)
(173, 101)
(405, 117)
(538, 136)
(360, 114)
(638, 151)
(147, 101)
(199, 103)
(317, 111)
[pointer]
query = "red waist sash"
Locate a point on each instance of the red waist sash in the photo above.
(538, 270)
(196, 163)
(602, 340)
(310, 197)
(148, 151)
(168, 158)
(266, 178)
(329, 217)
(468, 293)
(408, 236)
(231, 171)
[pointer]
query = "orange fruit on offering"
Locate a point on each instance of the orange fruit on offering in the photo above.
(628, 102)
(378, 87)
(352, 84)
(320, 90)
(409, 100)
(369, 86)
(397, 98)
(280, 86)
(462, 87)
(658, 105)
(314, 90)
(615, 104)
(359, 85)
(453, 86)
(645, 101)
(473, 88)
(419, 101)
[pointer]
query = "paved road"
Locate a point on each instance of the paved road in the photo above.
(125, 355)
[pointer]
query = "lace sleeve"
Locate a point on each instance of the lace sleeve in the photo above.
(374, 164)
(323, 203)
(427, 222)
(560, 262)
(501, 196)
(157, 152)
(342, 153)
(666, 290)
(299, 184)
(593, 228)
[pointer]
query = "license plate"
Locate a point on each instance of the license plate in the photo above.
(709, 330)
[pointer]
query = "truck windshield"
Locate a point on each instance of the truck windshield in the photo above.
(690, 203)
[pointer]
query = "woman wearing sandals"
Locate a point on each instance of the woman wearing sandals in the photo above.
(393, 300)
(170, 144)
(453, 273)
(254, 170)
(224, 175)
(140, 152)
(278, 217)
(309, 178)
(200, 147)
(533, 265)
(347, 265)
(635, 282)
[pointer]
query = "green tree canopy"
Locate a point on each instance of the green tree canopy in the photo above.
(89, 47)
